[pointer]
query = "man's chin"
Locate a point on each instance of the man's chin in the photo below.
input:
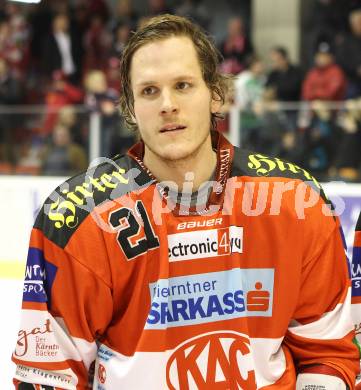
(175, 155)
(175, 152)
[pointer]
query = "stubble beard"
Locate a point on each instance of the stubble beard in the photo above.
(174, 161)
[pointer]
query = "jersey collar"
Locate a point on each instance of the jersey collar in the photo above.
(225, 153)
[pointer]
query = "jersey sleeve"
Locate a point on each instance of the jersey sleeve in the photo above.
(321, 331)
(66, 307)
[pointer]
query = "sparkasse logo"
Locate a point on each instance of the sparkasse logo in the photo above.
(212, 360)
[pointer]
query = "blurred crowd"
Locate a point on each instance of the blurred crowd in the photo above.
(64, 57)
(309, 114)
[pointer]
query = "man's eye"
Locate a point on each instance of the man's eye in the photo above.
(149, 91)
(183, 85)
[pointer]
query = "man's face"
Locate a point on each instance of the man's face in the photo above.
(61, 23)
(235, 27)
(3, 68)
(61, 136)
(172, 103)
(355, 22)
(278, 61)
(323, 59)
(257, 68)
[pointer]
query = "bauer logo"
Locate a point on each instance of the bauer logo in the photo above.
(39, 277)
(205, 243)
(219, 360)
(215, 296)
(356, 272)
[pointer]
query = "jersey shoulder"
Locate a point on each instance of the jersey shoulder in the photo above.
(252, 164)
(71, 202)
(257, 165)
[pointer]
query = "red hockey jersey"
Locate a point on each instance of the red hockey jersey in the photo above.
(242, 293)
(356, 288)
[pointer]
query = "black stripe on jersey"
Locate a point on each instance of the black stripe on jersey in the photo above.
(358, 224)
(70, 204)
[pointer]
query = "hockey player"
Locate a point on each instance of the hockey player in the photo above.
(187, 263)
(356, 288)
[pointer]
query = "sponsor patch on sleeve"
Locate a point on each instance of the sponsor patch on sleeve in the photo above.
(58, 378)
(39, 278)
(356, 272)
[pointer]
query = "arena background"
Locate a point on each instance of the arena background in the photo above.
(321, 133)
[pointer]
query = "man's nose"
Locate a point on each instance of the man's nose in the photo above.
(169, 103)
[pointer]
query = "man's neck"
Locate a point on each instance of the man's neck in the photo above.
(201, 166)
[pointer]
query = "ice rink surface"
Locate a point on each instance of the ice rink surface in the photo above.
(10, 293)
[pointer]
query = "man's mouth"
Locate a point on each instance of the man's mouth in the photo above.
(172, 127)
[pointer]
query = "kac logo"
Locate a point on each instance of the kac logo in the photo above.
(212, 360)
